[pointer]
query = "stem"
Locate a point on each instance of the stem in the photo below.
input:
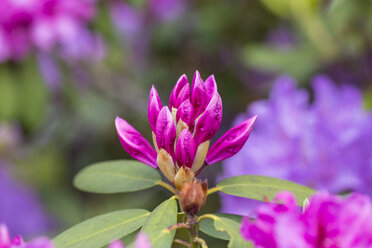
(179, 226)
(213, 190)
(167, 186)
(182, 242)
(201, 242)
(205, 216)
(194, 228)
(200, 170)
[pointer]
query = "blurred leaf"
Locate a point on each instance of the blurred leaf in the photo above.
(284, 7)
(116, 177)
(102, 230)
(259, 187)
(299, 62)
(8, 95)
(224, 226)
(156, 226)
(32, 94)
(207, 226)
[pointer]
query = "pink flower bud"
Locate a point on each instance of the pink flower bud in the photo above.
(165, 131)
(209, 121)
(185, 149)
(180, 92)
(185, 113)
(135, 144)
(231, 142)
(153, 107)
(198, 94)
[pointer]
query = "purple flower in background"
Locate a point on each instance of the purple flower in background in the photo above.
(142, 241)
(167, 10)
(46, 25)
(324, 144)
(17, 242)
(20, 208)
(182, 132)
(328, 222)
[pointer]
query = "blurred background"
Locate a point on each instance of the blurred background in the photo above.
(69, 67)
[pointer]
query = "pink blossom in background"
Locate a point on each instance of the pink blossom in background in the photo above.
(141, 241)
(46, 25)
(6, 241)
(328, 222)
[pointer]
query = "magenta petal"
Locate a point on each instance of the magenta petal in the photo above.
(185, 113)
(165, 131)
(231, 142)
(209, 121)
(210, 86)
(198, 94)
(142, 241)
(4, 236)
(185, 149)
(135, 144)
(153, 107)
(116, 244)
(174, 100)
(40, 243)
(17, 240)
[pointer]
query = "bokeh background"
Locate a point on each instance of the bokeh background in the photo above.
(69, 67)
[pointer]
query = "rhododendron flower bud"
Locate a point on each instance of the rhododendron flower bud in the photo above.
(165, 130)
(231, 142)
(209, 121)
(193, 196)
(134, 143)
(185, 149)
(180, 92)
(182, 131)
(153, 107)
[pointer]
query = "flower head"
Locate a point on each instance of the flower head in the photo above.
(329, 221)
(322, 143)
(17, 242)
(182, 132)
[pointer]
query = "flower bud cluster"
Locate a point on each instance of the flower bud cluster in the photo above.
(182, 132)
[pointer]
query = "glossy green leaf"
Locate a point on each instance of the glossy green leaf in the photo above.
(207, 226)
(230, 228)
(261, 187)
(156, 226)
(116, 177)
(103, 229)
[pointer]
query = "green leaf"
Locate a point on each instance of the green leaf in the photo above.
(260, 187)
(116, 177)
(207, 226)
(156, 226)
(102, 230)
(229, 228)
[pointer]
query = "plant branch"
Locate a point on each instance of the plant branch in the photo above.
(182, 242)
(213, 190)
(167, 186)
(205, 216)
(201, 242)
(179, 226)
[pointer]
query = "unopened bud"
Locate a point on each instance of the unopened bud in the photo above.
(193, 196)
(166, 165)
(201, 153)
(183, 175)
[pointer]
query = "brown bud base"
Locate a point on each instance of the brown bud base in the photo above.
(193, 196)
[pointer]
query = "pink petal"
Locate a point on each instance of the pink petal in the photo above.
(135, 144)
(210, 86)
(209, 121)
(142, 241)
(40, 243)
(4, 236)
(185, 149)
(185, 113)
(116, 244)
(231, 142)
(198, 94)
(165, 131)
(17, 240)
(176, 97)
(153, 107)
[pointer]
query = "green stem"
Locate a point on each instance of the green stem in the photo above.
(213, 190)
(179, 226)
(182, 242)
(201, 242)
(167, 186)
(205, 216)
